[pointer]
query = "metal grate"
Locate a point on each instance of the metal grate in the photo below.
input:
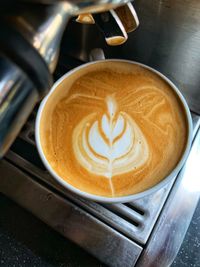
(135, 220)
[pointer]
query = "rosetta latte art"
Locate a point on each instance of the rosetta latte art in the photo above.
(116, 129)
(110, 146)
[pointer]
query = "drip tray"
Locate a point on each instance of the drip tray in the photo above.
(118, 234)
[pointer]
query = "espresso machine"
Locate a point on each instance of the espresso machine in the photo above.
(39, 42)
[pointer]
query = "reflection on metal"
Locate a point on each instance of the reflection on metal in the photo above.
(42, 27)
(128, 16)
(115, 234)
(167, 39)
(15, 104)
(80, 6)
(172, 225)
(30, 37)
(68, 219)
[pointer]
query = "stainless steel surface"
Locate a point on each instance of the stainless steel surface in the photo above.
(70, 220)
(42, 27)
(128, 225)
(136, 220)
(168, 39)
(114, 24)
(171, 30)
(18, 96)
(133, 219)
(111, 27)
(172, 225)
(31, 33)
(128, 16)
(115, 234)
(86, 6)
(85, 18)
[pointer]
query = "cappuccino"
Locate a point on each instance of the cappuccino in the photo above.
(113, 129)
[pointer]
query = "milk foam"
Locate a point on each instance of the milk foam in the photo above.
(115, 130)
(111, 146)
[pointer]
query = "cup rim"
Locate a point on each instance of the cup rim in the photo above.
(131, 197)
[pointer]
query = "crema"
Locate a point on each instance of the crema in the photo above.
(114, 129)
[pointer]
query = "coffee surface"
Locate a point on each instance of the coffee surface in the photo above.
(115, 130)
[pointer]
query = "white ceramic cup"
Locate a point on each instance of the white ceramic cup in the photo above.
(121, 199)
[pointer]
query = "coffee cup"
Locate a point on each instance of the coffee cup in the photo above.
(113, 130)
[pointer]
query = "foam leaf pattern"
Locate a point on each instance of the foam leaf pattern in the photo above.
(110, 146)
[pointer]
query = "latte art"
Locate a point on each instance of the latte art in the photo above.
(112, 146)
(115, 129)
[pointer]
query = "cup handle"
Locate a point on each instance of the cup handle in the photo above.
(96, 54)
